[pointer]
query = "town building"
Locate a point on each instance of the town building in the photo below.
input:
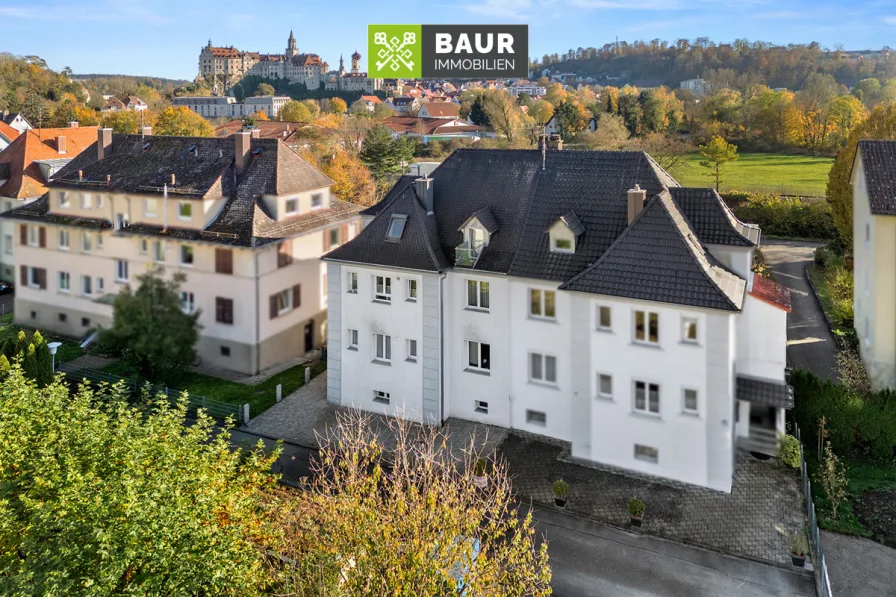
(699, 87)
(439, 110)
(26, 167)
(129, 102)
(7, 135)
(404, 104)
(371, 101)
(580, 295)
(297, 135)
(17, 121)
(228, 107)
(873, 179)
(432, 129)
(245, 219)
(527, 87)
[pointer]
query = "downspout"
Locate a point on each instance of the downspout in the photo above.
(442, 347)
(257, 314)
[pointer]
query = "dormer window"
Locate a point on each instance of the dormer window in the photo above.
(396, 227)
(565, 232)
(292, 206)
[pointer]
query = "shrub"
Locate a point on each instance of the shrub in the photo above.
(851, 371)
(561, 488)
(833, 479)
(480, 467)
(636, 507)
(789, 451)
(839, 281)
(787, 216)
(798, 544)
(759, 266)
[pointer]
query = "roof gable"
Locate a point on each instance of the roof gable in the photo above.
(21, 156)
(879, 164)
(711, 218)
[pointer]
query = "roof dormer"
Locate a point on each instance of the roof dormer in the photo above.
(565, 233)
(477, 231)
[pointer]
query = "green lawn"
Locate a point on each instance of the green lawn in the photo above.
(761, 172)
(259, 397)
(860, 477)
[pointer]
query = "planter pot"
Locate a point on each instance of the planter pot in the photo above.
(480, 482)
(636, 521)
(798, 561)
(560, 502)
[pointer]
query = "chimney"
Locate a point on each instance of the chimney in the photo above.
(73, 124)
(108, 180)
(146, 130)
(256, 133)
(60, 144)
(423, 188)
(636, 198)
(555, 142)
(173, 180)
(243, 144)
(103, 143)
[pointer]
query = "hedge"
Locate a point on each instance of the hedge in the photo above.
(858, 424)
(787, 216)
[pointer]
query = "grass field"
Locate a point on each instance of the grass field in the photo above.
(761, 173)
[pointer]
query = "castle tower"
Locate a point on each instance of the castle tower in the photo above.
(291, 49)
(356, 62)
(341, 66)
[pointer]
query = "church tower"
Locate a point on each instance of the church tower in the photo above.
(341, 66)
(291, 49)
(356, 62)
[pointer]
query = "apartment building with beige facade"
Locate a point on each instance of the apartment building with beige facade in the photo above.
(246, 219)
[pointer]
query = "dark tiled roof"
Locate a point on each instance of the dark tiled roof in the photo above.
(573, 222)
(487, 220)
(761, 391)
(879, 162)
(658, 258)
(394, 192)
(712, 220)
(771, 292)
(417, 249)
(39, 212)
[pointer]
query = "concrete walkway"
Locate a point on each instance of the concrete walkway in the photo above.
(859, 567)
(810, 345)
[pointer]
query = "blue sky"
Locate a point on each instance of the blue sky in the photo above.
(163, 37)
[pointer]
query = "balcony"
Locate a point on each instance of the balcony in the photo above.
(467, 253)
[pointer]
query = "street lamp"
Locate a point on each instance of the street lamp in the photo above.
(53, 346)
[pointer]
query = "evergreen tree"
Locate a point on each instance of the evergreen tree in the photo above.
(44, 374)
(29, 363)
(4, 366)
(379, 152)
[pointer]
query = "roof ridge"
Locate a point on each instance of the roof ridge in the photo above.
(422, 217)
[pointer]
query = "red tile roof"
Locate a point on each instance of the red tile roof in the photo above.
(771, 292)
(426, 126)
(442, 109)
(372, 99)
(7, 132)
(25, 178)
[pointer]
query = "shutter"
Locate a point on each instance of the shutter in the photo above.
(343, 238)
(23, 234)
(296, 296)
(273, 306)
(326, 234)
(42, 278)
(42, 237)
(23, 275)
(228, 310)
(223, 261)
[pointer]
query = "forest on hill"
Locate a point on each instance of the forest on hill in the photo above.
(745, 63)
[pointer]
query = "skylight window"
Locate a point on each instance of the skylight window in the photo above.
(396, 227)
(146, 146)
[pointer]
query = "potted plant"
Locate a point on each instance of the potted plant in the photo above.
(636, 510)
(479, 470)
(561, 492)
(798, 549)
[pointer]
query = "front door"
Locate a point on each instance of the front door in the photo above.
(309, 337)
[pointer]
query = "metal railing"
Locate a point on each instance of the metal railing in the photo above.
(214, 408)
(822, 580)
(467, 253)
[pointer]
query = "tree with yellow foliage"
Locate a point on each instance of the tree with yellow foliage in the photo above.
(338, 106)
(716, 153)
(182, 122)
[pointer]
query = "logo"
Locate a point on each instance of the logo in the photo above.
(448, 51)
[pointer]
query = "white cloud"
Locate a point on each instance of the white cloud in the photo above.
(891, 20)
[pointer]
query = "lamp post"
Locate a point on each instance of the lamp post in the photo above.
(53, 346)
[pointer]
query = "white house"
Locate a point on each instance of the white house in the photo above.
(874, 253)
(698, 86)
(584, 296)
(552, 127)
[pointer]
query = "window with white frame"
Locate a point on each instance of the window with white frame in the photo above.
(381, 397)
(33, 236)
(99, 240)
(479, 356)
(64, 199)
(542, 368)
(689, 330)
(284, 301)
(353, 339)
(604, 318)
(65, 282)
(605, 386)
(86, 242)
(396, 227)
(477, 294)
(186, 255)
(158, 250)
(352, 282)
(480, 406)
(86, 285)
(121, 270)
(86, 201)
(542, 303)
(561, 245)
(647, 398)
(647, 327)
(187, 302)
(412, 290)
(150, 208)
(382, 288)
(63, 240)
(689, 401)
(335, 237)
(99, 285)
(292, 206)
(317, 200)
(412, 350)
(144, 246)
(7, 244)
(535, 417)
(646, 453)
(382, 346)
(185, 210)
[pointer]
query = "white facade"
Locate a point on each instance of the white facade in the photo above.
(228, 107)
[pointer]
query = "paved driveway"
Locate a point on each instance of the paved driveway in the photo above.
(810, 345)
(859, 567)
(591, 560)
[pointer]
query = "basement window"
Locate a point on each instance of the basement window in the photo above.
(396, 227)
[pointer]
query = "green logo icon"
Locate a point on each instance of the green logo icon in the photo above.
(396, 51)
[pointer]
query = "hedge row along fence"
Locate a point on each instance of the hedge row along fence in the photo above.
(785, 216)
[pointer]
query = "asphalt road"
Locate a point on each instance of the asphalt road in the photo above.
(810, 345)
